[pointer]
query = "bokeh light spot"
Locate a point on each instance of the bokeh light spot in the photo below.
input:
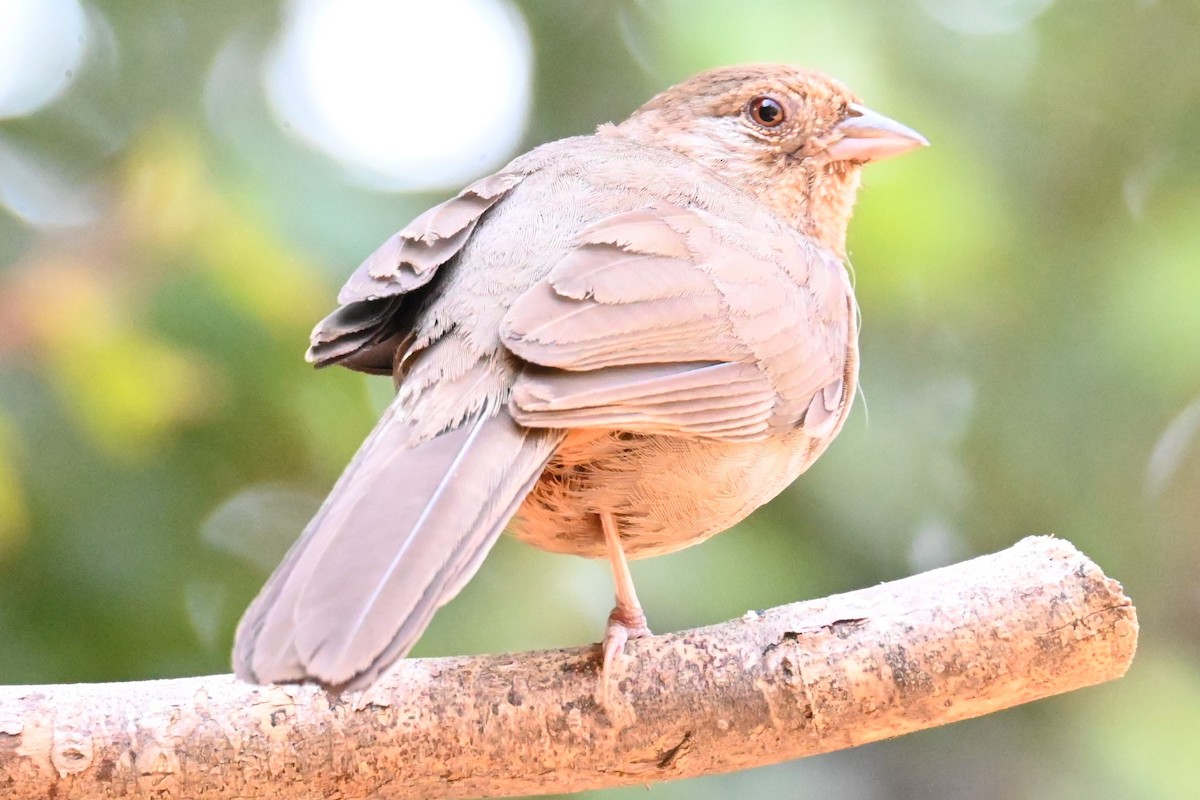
(408, 95)
(42, 44)
(985, 17)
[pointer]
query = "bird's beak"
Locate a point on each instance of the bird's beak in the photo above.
(869, 136)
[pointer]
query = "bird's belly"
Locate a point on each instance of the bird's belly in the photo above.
(666, 492)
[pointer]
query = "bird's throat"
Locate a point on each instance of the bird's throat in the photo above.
(818, 200)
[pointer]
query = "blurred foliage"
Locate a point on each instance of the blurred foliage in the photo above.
(1030, 288)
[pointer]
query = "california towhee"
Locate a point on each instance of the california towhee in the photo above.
(628, 340)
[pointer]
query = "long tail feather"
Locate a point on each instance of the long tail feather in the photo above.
(400, 534)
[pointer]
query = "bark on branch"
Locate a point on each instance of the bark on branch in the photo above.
(1029, 622)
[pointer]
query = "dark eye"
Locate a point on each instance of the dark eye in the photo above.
(766, 111)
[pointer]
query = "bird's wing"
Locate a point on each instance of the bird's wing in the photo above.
(671, 320)
(365, 332)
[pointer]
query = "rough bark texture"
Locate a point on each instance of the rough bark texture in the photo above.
(1031, 621)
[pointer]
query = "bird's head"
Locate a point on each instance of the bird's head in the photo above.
(796, 139)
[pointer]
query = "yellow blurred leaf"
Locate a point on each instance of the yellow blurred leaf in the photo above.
(171, 201)
(127, 387)
(14, 517)
(258, 272)
(165, 195)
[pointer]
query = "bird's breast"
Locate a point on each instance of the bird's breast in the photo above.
(667, 492)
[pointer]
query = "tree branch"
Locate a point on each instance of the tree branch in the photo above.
(1029, 622)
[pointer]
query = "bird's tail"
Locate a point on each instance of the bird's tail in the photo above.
(400, 534)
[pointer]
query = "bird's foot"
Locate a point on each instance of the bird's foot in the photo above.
(623, 624)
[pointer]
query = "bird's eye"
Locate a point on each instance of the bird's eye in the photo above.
(766, 111)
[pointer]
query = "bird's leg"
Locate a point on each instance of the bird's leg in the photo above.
(626, 620)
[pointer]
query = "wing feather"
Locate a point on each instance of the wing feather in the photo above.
(670, 320)
(378, 300)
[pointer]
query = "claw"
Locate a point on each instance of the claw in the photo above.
(622, 627)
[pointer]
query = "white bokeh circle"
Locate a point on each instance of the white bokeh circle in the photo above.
(409, 95)
(42, 46)
(985, 17)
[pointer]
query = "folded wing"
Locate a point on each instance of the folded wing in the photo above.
(670, 320)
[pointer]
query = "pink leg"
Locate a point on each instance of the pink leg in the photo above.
(626, 620)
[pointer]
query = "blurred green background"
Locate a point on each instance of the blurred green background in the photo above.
(183, 187)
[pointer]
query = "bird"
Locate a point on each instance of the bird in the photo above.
(616, 346)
